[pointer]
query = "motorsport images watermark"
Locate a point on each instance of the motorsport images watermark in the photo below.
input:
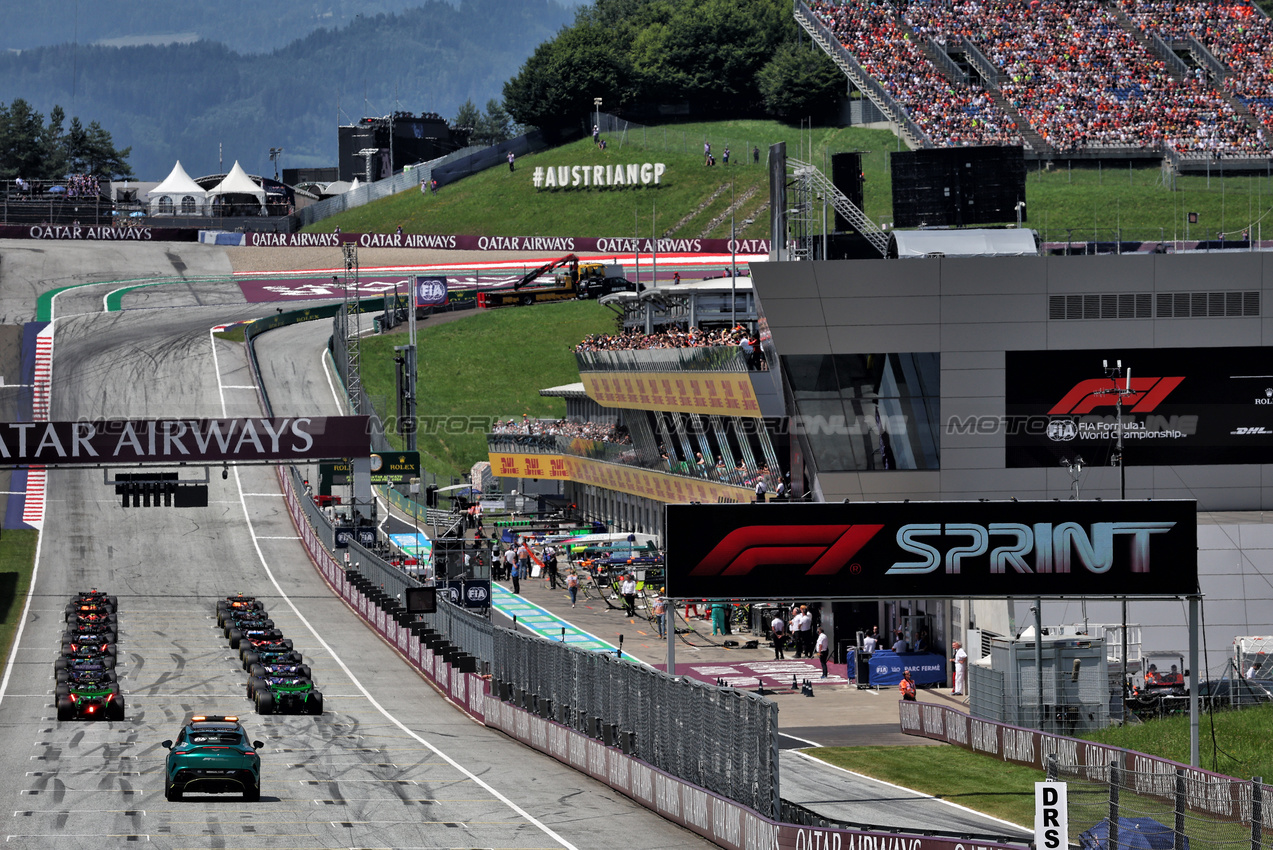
(1081, 428)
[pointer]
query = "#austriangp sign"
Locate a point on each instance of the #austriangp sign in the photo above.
(1182, 406)
(107, 442)
(874, 550)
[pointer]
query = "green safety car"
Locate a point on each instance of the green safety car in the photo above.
(285, 695)
(212, 755)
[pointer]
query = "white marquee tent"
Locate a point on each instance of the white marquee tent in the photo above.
(237, 182)
(177, 195)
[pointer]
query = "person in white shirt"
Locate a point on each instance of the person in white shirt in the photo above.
(779, 629)
(823, 648)
(628, 589)
(961, 669)
(869, 644)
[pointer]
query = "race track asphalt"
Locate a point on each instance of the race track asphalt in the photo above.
(390, 763)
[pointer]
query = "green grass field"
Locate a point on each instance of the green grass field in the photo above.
(1007, 791)
(1102, 202)
(491, 363)
(17, 561)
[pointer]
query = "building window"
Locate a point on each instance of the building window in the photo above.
(868, 411)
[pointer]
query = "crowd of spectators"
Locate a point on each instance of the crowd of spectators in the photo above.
(1068, 67)
(1235, 33)
(949, 115)
(82, 186)
(673, 336)
(599, 431)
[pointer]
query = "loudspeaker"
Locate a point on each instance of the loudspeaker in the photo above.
(846, 174)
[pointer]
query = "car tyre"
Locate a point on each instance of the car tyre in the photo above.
(252, 793)
(249, 658)
(236, 637)
(316, 703)
(65, 709)
(63, 689)
(115, 709)
(264, 702)
(256, 685)
(172, 793)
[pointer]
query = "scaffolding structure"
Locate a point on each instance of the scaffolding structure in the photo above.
(350, 327)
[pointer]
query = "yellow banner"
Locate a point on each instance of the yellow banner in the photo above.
(660, 486)
(722, 393)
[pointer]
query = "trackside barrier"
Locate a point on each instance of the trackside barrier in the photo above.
(1221, 797)
(450, 665)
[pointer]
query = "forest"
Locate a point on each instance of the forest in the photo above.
(208, 105)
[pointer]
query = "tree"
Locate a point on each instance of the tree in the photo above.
(31, 149)
(495, 126)
(467, 117)
(800, 83)
(20, 130)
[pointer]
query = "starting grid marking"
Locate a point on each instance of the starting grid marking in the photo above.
(772, 674)
(545, 624)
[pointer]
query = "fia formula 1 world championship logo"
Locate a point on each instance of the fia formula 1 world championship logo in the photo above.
(823, 549)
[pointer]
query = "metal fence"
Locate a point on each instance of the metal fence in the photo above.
(720, 739)
(1104, 802)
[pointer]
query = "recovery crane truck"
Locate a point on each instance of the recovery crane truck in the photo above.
(578, 279)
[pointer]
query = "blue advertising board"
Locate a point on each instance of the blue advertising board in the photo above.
(927, 668)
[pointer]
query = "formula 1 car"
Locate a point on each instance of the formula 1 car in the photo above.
(86, 649)
(280, 652)
(86, 701)
(241, 638)
(67, 668)
(237, 603)
(92, 617)
(83, 678)
(90, 637)
(285, 695)
(239, 626)
(260, 670)
(212, 754)
(90, 634)
(88, 606)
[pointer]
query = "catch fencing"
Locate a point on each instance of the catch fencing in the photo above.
(1214, 811)
(720, 739)
(1111, 799)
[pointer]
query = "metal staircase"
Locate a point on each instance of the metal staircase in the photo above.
(862, 81)
(811, 181)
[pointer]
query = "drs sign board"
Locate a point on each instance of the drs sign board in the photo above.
(1051, 816)
(872, 550)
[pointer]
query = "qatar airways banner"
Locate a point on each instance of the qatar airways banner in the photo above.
(556, 244)
(94, 233)
(169, 441)
(900, 550)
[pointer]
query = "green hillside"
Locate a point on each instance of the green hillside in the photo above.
(465, 376)
(1099, 202)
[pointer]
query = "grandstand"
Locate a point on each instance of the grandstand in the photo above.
(1192, 82)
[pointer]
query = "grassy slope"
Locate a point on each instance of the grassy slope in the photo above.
(488, 364)
(17, 561)
(1083, 201)
(1007, 791)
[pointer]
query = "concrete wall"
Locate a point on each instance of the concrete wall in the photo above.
(972, 311)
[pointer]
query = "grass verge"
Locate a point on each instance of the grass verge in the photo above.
(17, 562)
(948, 773)
(492, 363)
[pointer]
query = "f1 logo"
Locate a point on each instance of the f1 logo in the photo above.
(824, 549)
(1147, 394)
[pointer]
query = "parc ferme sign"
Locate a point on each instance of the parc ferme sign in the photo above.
(585, 176)
(899, 550)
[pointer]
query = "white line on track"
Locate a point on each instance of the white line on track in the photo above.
(352, 678)
(911, 791)
(22, 623)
